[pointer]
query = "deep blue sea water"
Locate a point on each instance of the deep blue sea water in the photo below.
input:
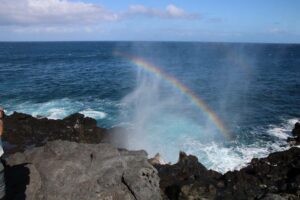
(253, 88)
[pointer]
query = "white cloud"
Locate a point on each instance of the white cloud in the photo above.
(174, 11)
(55, 29)
(171, 11)
(66, 15)
(50, 12)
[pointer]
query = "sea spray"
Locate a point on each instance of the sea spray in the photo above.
(160, 117)
(252, 87)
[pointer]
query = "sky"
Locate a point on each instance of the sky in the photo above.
(266, 21)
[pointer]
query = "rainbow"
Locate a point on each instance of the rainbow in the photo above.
(182, 88)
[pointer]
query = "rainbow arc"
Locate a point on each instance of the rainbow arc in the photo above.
(180, 87)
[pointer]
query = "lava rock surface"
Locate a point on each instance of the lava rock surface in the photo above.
(63, 170)
(22, 131)
(274, 177)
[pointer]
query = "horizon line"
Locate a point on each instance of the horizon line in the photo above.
(150, 41)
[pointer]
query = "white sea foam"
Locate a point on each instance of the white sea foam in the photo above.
(56, 113)
(56, 109)
(220, 158)
(180, 134)
(283, 131)
(61, 108)
(93, 114)
(157, 127)
(279, 132)
(232, 157)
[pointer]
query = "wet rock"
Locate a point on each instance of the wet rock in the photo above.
(295, 140)
(24, 131)
(292, 141)
(277, 177)
(187, 179)
(68, 170)
(296, 130)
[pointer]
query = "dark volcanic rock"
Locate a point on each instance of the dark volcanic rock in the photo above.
(67, 170)
(63, 170)
(23, 131)
(296, 130)
(274, 177)
(296, 133)
(187, 175)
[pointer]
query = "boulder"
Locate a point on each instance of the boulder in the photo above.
(23, 131)
(63, 170)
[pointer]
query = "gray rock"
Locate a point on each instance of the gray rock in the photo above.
(63, 170)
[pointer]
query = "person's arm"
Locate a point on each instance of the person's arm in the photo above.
(1, 127)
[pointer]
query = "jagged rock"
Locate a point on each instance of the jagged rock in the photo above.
(63, 170)
(295, 140)
(187, 179)
(67, 170)
(24, 131)
(277, 177)
(296, 130)
(292, 141)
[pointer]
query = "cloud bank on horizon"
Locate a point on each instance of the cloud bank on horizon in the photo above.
(65, 12)
(51, 12)
(90, 20)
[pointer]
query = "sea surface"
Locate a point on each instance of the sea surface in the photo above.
(252, 89)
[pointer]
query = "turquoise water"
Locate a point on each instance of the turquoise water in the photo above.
(253, 88)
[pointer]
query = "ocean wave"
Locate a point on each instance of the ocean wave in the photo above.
(225, 158)
(93, 114)
(283, 131)
(55, 109)
(61, 108)
(55, 113)
(221, 158)
(183, 136)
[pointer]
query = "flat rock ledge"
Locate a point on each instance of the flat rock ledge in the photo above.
(63, 170)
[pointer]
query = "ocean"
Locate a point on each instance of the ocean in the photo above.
(226, 103)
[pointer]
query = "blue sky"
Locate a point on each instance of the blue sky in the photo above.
(271, 21)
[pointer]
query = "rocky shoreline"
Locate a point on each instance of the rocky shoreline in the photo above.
(68, 159)
(24, 131)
